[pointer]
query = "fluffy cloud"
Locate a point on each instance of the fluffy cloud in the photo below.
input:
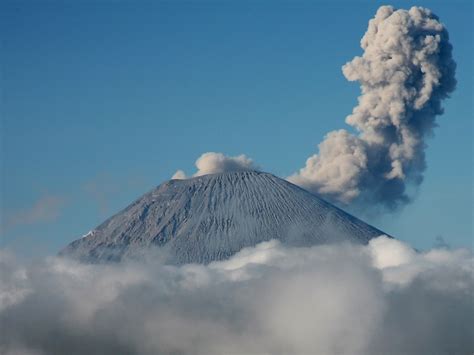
(405, 72)
(331, 299)
(212, 163)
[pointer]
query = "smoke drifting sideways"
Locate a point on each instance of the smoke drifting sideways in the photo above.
(332, 299)
(405, 72)
(212, 163)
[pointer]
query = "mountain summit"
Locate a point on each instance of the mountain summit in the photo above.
(211, 217)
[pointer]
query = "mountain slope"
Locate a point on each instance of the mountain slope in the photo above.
(212, 217)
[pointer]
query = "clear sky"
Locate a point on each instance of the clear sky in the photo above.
(103, 100)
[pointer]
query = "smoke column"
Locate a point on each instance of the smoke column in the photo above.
(405, 72)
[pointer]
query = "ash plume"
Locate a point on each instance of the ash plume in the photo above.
(405, 72)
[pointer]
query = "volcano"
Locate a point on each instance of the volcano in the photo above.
(211, 217)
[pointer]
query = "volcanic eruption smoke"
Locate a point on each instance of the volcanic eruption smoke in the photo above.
(405, 72)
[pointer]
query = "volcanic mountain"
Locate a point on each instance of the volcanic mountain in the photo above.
(211, 217)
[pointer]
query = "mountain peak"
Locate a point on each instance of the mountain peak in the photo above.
(213, 216)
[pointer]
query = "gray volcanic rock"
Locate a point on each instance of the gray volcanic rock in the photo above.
(211, 217)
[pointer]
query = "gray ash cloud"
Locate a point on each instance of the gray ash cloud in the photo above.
(405, 72)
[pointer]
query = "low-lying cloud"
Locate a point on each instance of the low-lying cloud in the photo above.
(332, 299)
(212, 163)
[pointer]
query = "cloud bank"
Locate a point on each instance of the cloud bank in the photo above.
(334, 299)
(405, 72)
(212, 163)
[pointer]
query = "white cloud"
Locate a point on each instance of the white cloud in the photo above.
(212, 163)
(331, 299)
(179, 175)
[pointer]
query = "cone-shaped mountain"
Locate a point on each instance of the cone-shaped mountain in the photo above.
(211, 217)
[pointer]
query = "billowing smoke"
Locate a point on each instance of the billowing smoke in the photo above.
(211, 163)
(383, 298)
(405, 72)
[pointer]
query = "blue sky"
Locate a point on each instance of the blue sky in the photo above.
(104, 100)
